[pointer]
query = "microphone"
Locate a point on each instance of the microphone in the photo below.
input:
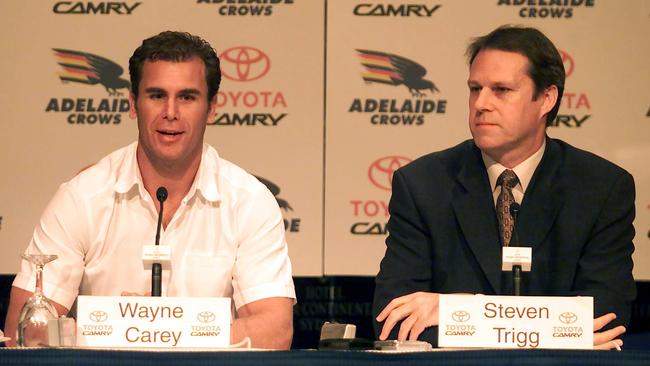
(156, 267)
(514, 211)
(516, 258)
(516, 269)
(161, 195)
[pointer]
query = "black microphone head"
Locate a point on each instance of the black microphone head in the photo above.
(514, 208)
(161, 194)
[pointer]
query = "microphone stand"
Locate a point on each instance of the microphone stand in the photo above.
(156, 268)
(516, 269)
(516, 279)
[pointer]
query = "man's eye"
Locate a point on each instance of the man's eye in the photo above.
(156, 96)
(501, 89)
(188, 97)
(474, 89)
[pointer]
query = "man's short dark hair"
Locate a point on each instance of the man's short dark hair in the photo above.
(546, 67)
(176, 47)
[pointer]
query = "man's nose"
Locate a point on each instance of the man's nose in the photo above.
(171, 110)
(483, 100)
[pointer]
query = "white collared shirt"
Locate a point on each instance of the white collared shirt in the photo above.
(227, 235)
(524, 171)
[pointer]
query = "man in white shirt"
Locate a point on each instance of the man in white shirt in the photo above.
(450, 210)
(223, 226)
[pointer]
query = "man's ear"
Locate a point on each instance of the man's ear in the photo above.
(549, 97)
(212, 108)
(132, 108)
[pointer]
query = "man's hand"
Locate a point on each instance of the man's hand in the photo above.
(419, 311)
(608, 339)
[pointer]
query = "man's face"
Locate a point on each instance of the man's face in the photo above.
(505, 121)
(172, 110)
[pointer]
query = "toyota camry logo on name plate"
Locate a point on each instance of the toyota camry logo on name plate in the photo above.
(98, 316)
(206, 317)
(460, 316)
(568, 317)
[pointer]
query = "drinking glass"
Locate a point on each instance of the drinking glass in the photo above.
(37, 311)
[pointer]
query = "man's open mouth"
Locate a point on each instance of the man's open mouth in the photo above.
(169, 133)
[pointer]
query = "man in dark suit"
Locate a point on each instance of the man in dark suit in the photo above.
(449, 210)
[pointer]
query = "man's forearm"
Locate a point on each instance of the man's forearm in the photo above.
(268, 323)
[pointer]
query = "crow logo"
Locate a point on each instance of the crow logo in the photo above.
(86, 68)
(395, 70)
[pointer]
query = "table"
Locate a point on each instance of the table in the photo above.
(15, 356)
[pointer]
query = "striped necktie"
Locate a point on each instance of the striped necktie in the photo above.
(507, 180)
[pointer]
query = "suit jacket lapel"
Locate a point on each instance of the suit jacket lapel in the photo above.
(474, 209)
(542, 200)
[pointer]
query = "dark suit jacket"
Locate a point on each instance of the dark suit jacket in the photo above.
(577, 215)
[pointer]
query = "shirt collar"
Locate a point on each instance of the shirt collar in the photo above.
(524, 170)
(205, 182)
(128, 173)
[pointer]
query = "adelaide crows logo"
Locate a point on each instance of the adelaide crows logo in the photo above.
(87, 68)
(395, 70)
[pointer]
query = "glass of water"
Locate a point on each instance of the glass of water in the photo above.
(37, 311)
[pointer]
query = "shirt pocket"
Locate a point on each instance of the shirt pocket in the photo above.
(203, 275)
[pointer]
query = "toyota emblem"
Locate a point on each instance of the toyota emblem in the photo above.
(206, 317)
(98, 316)
(381, 170)
(244, 63)
(568, 317)
(460, 316)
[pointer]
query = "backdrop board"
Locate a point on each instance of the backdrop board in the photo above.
(270, 104)
(374, 125)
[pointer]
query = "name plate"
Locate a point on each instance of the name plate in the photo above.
(133, 321)
(516, 322)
